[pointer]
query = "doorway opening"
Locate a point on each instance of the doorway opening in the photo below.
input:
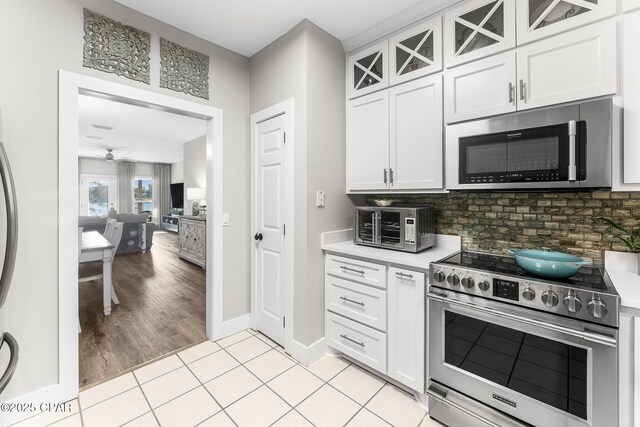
(130, 158)
(72, 87)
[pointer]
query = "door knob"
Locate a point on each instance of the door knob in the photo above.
(258, 236)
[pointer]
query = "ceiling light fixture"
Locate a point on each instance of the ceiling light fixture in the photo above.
(103, 127)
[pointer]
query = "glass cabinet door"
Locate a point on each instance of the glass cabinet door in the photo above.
(542, 18)
(368, 70)
(416, 52)
(478, 29)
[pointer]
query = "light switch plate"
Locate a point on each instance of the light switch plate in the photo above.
(225, 219)
(320, 199)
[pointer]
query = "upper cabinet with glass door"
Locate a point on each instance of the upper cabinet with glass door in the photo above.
(368, 70)
(478, 29)
(537, 19)
(416, 52)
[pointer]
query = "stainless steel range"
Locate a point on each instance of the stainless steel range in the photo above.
(507, 348)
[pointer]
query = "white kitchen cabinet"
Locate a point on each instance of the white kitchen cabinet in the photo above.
(416, 135)
(368, 142)
(416, 52)
(367, 70)
(406, 339)
(575, 65)
(629, 5)
(536, 19)
(481, 88)
(477, 29)
(631, 93)
(394, 138)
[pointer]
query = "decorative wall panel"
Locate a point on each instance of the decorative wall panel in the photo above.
(184, 70)
(113, 47)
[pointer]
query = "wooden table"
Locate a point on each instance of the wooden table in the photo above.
(95, 247)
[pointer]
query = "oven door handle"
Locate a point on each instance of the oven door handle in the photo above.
(442, 397)
(589, 336)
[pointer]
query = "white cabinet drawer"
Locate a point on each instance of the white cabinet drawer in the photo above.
(364, 344)
(356, 270)
(358, 302)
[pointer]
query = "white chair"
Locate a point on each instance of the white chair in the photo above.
(116, 236)
(109, 228)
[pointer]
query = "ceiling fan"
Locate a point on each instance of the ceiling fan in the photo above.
(109, 157)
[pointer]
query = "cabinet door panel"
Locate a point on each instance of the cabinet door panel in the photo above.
(406, 328)
(482, 88)
(537, 19)
(478, 29)
(630, 75)
(367, 70)
(628, 5)
(572, 66)
(368, 142)
(416, 134)
(416, 52)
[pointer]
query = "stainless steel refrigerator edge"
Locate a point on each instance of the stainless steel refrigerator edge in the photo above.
(8, 246)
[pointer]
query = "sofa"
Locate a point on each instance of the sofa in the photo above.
(134, 225)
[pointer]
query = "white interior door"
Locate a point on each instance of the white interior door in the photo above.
(269, 230)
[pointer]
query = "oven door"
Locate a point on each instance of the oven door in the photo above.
(544, 154)
(539, 368)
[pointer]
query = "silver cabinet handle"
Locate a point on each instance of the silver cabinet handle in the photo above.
(572, 150)
(352, 301)
(12, 224)
(442, 397)
(361, 344)
(353, 270)
(385, 176)
(390, 176)
(400, 274)
(523, 91)
(510, 93)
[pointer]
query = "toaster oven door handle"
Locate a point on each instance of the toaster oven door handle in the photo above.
(572, 151)
(588, 336)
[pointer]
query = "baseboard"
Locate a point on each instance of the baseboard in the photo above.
(231, 326)
(307, 355)
(55, 393)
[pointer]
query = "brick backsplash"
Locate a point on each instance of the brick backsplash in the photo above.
(497, 221)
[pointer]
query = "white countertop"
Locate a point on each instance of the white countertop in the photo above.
(341, 242)
(622, 268)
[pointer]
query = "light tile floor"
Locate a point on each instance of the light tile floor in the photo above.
(242, 380)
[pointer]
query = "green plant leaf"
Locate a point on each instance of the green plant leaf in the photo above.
(627, 242)
(614, 224)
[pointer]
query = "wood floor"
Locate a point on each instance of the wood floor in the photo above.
(162, 309)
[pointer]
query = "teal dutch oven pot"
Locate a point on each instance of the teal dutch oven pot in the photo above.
(547, 263)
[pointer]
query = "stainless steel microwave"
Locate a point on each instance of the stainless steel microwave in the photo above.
(403, 229)
(560, 147)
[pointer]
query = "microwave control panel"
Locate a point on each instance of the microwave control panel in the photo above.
(410, 230)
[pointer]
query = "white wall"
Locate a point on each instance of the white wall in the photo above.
(195, 168)
(177, 172)
(98, 167)
(42, 37)
(308, 64)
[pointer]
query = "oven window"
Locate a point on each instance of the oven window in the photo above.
(365, 225)
(533, 154)
(546, 370)
(487, 158)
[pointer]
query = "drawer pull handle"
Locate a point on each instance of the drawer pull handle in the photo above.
(353, 270)
(352, 301)
(361, 344)
(400, 274)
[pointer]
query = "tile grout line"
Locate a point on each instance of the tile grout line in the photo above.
(80, 411)
(146, 399)
(363, 407)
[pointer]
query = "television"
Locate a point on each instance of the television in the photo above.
(177, 196)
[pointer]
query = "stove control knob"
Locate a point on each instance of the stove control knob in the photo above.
(484, 285)
(596, 307)
(453, 279)
(468, 282)
(528, 294)
(550, 299)
(439, 276)
(572, 302)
